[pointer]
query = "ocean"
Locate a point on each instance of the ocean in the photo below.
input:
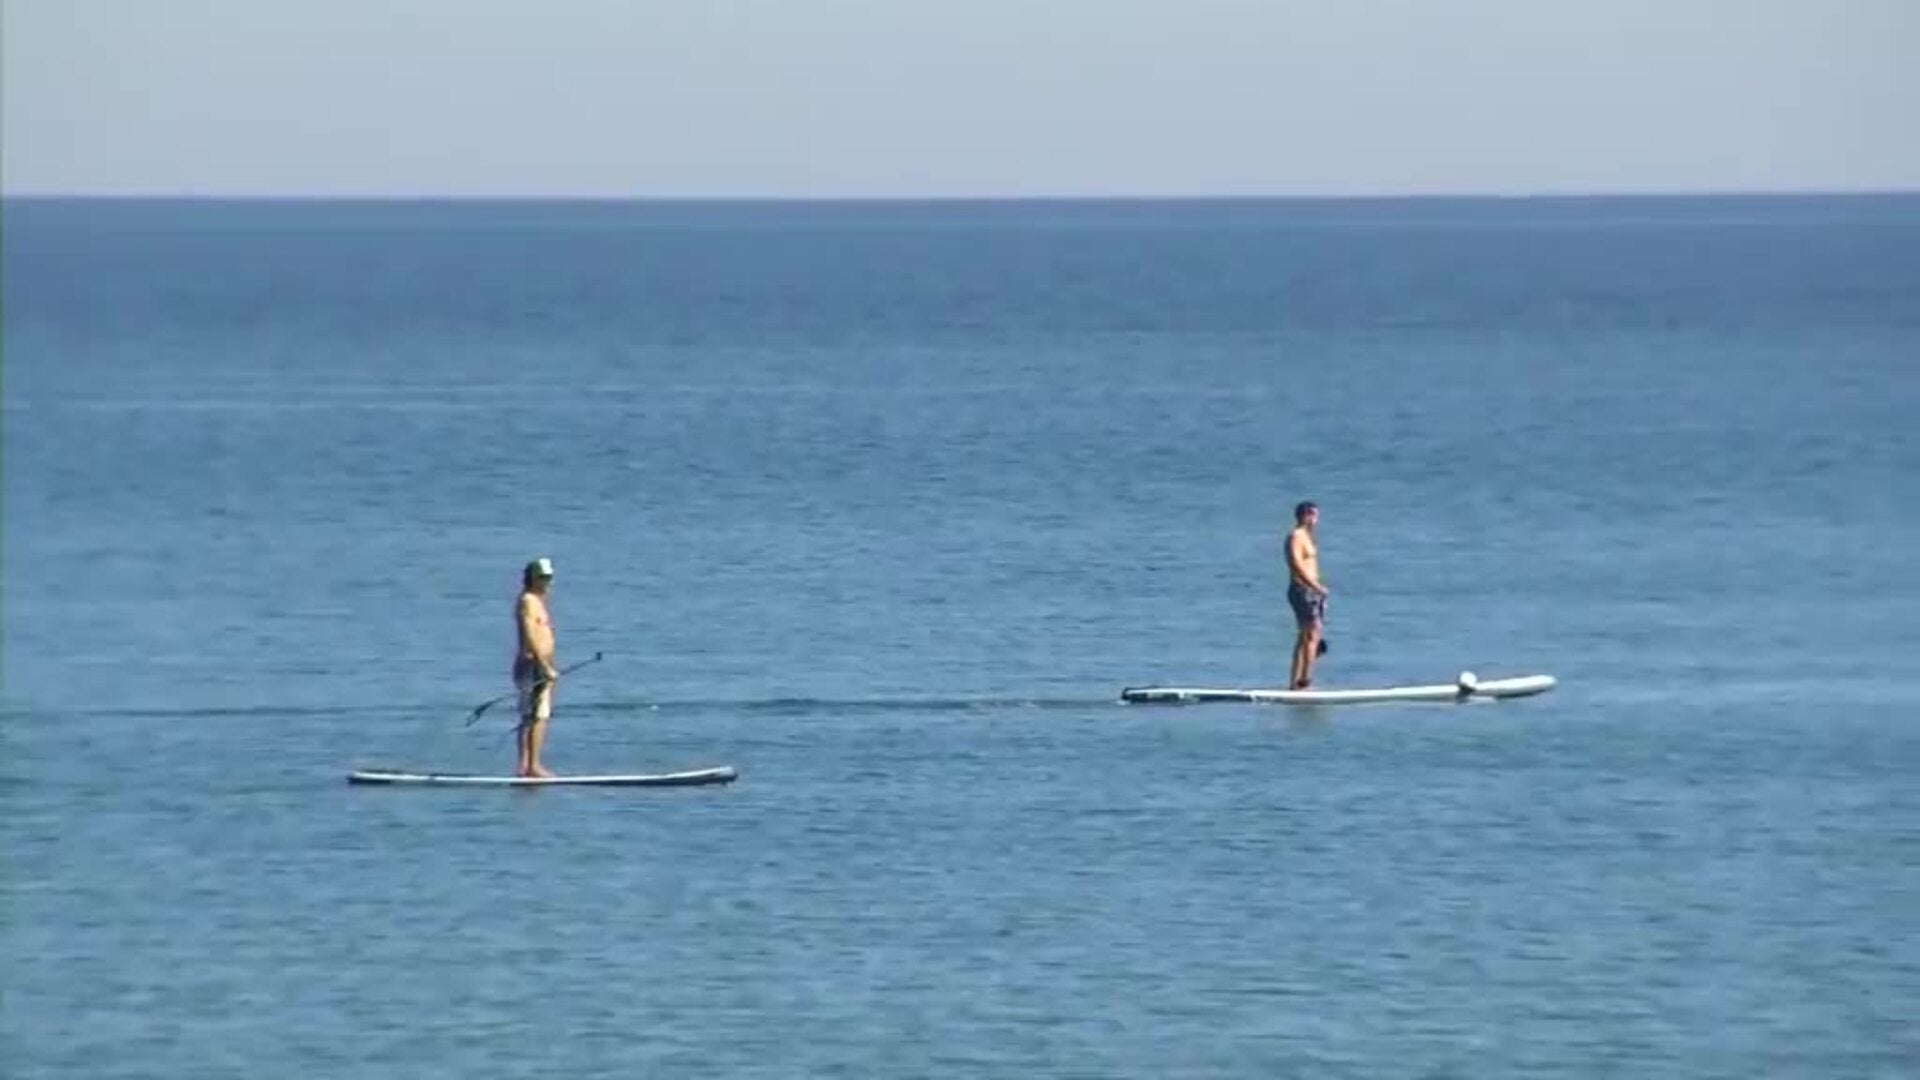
(882, 504)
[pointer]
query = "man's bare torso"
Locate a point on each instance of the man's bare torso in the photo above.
(1303, 557)
(535, 630)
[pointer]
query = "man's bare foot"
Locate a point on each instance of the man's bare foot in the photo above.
(542, 772)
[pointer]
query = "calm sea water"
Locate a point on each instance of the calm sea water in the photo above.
(882, 505)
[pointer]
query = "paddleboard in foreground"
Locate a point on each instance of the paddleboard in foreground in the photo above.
(1465, 688)
(724, 774)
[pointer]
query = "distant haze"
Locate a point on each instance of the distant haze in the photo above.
(913, 98)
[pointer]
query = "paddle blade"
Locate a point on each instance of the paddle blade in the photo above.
(477, 713)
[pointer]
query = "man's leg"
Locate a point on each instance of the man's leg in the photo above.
(525, 698)
(1306, 617)
(534, 734)
(1309, 651)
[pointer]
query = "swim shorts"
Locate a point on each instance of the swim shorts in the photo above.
(1309, 606)
(536, 696)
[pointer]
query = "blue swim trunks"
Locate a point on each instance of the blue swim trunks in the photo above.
(1309, 606)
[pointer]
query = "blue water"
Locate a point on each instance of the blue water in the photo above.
(882, 504)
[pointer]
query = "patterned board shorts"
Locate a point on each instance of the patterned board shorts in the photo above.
(536, 696)
(1309, 607)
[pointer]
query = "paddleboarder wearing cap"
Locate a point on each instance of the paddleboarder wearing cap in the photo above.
(534, 672)
(1306, 592)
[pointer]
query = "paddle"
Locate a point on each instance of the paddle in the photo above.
(1322, 650)
(481, 709)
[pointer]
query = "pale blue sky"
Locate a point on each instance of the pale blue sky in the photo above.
(815, 98)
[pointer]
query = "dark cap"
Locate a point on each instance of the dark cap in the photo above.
(1305, 508)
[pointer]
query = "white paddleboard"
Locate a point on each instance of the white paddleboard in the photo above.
(721, 775)
(1466, 689)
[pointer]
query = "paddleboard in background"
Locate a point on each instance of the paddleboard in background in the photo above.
(724, 774)
(1466, 688)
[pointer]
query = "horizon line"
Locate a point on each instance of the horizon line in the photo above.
(957, 198)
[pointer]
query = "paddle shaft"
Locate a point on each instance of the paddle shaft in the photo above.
(483, 707)
(1322, 650)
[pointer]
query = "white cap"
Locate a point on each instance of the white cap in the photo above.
(541, 567)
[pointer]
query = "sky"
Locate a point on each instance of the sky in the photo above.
(956, 98)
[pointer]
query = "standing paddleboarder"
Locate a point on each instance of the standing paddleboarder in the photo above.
(534, 672)
(1306, 592)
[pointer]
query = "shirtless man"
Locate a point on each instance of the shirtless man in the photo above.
(1306, 592)
(534, 672)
